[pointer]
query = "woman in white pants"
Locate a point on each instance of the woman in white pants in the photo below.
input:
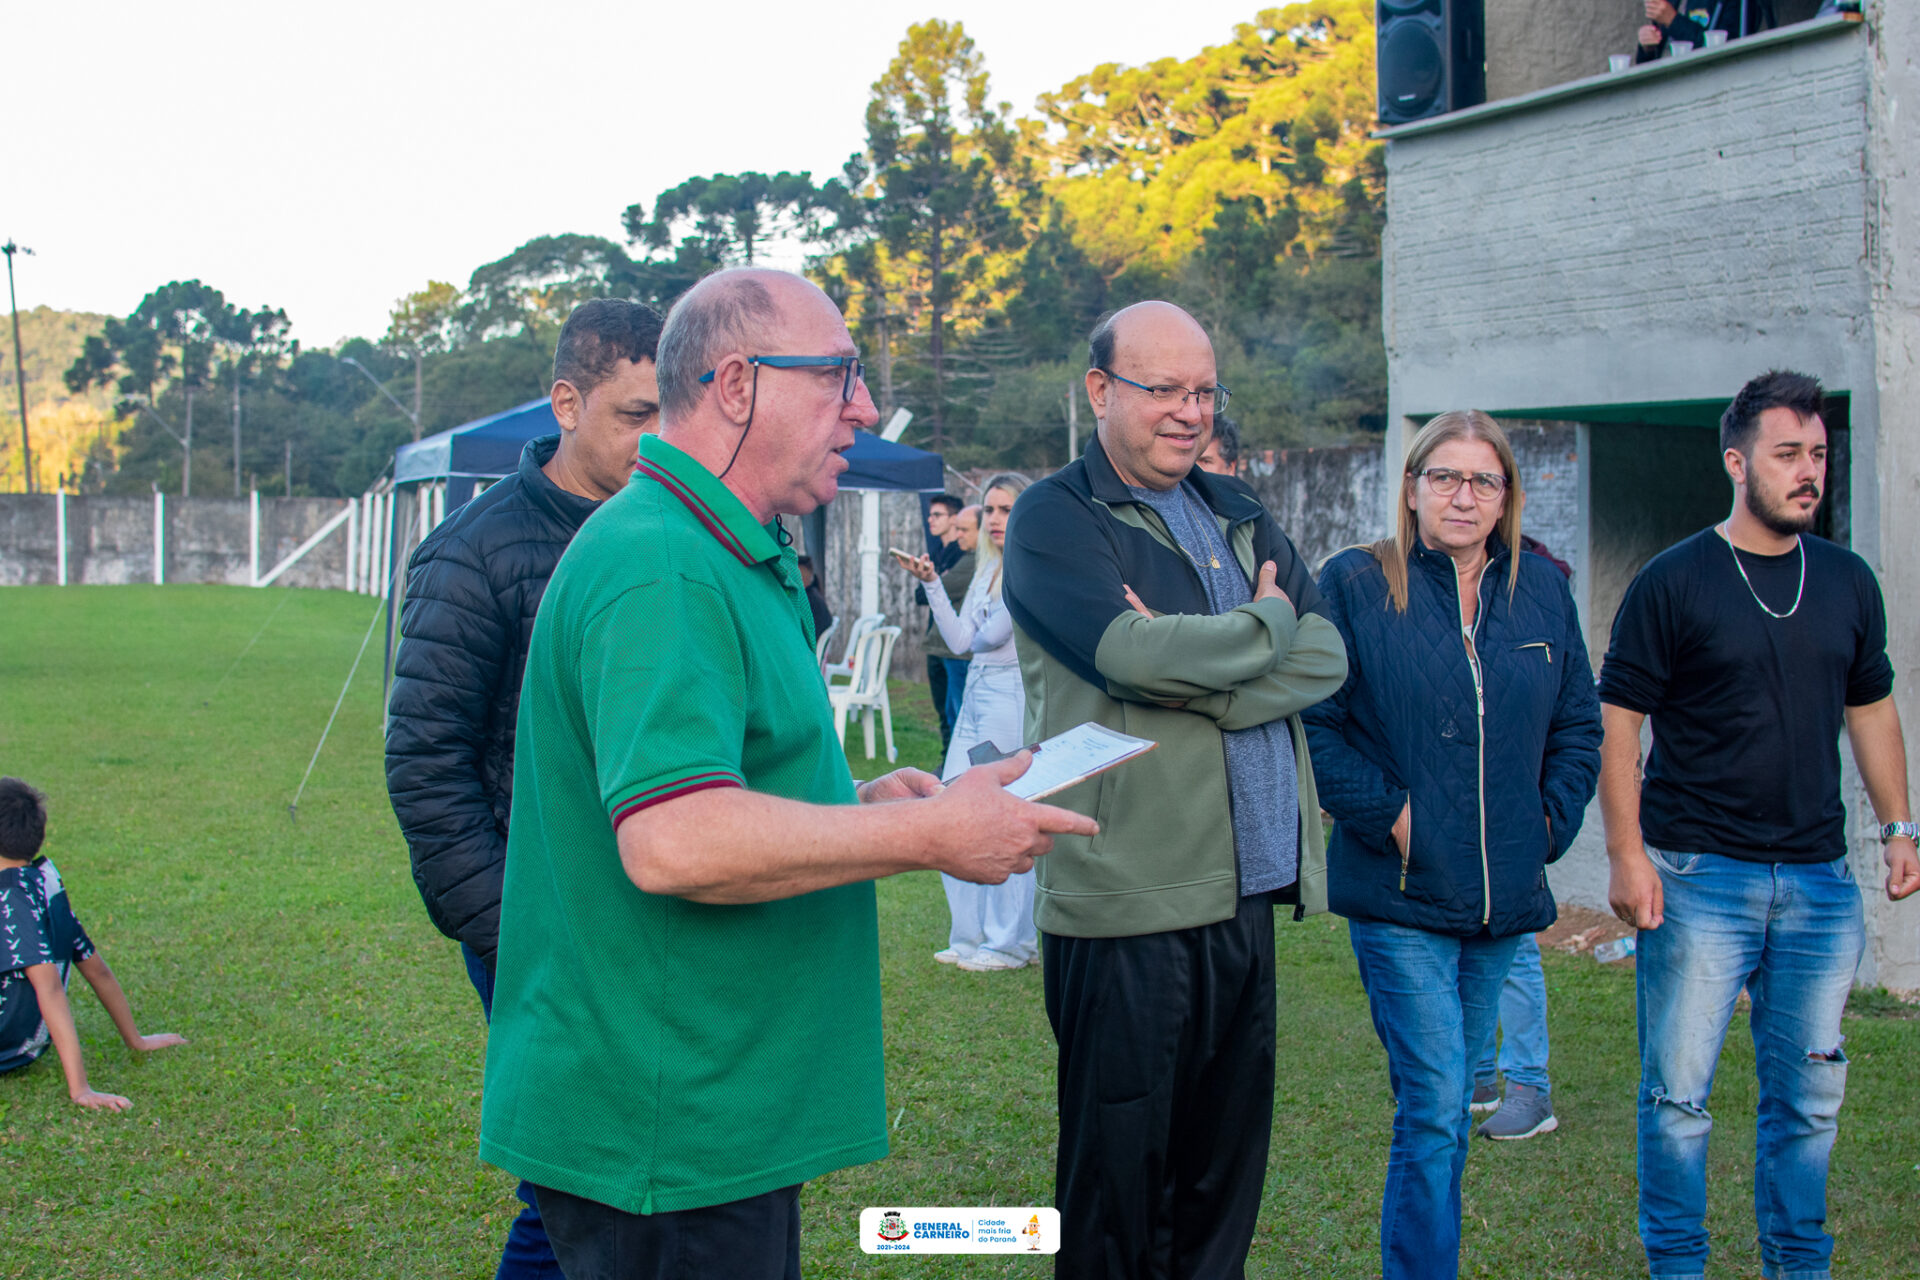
(992, 923)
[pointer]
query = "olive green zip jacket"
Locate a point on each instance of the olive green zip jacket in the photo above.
(1164, 858)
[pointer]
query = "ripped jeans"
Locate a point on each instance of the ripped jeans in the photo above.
(1792, 934)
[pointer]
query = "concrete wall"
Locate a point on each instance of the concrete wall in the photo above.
(1325, 499)
(1893, 271)
(1663, 236)
(110, 540)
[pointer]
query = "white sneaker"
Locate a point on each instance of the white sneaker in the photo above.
(984, 961)
(952, 955)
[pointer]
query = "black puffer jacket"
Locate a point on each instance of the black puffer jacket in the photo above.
(473, 588)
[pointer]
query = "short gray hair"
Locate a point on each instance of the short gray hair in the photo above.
(718, 315)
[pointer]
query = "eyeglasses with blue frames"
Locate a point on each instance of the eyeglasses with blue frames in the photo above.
(1211, 399)
(855, 371)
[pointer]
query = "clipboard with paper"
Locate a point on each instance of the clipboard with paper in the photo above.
(1066, 759)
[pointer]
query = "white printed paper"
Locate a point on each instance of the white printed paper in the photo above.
(1075, 756)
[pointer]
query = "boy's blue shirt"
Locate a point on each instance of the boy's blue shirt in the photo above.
(37, 926)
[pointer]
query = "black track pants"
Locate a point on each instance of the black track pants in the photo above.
(1166, 1097)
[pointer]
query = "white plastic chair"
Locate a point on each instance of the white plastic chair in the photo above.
(866, 691)
(820, 646)
(863, 624)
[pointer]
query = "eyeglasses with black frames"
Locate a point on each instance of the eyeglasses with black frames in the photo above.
(1210, 399)
(855, 371)
(1446, 482)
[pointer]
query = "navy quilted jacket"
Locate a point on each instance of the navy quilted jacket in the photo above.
(1486, 773)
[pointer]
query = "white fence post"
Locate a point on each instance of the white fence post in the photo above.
(386, 542)
(159, 537)
(353, 537)
(439, 504)
(60, 534)
(367, 508)
(253, 540)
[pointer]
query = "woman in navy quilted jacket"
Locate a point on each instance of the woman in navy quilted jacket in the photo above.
(1457, 761)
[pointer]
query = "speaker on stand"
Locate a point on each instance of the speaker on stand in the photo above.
(1431, 57)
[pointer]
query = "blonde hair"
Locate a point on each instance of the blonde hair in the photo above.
(986, 555)
(1458, 424)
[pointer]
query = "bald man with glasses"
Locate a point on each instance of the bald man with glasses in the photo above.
(1154, 598)
(686, 1021)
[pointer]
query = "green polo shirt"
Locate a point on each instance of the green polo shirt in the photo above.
(649, 1052)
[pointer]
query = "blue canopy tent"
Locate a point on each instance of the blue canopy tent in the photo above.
(484, 449)
(489, 448)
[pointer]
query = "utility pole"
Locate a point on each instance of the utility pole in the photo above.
(19, 365)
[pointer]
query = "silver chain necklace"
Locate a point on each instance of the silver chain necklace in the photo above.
(1727, 533)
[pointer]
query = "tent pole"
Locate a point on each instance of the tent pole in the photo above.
(869, 552)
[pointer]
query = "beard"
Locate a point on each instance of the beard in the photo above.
(1777, 516)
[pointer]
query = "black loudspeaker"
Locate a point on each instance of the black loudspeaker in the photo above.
(1432, 57)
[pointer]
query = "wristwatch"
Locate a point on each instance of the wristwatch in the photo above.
(1894, 830)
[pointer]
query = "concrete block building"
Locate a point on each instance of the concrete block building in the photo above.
(1617, 252)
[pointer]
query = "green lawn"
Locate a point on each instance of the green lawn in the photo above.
(322, 1121)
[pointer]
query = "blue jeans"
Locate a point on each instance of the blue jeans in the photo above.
(1792, 934)
(1434, 999)
(957, 669)
(1523, 1023)
(527, 1255)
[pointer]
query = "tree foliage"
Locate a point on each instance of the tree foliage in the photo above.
(729, 215)
(972, 249)
(1280, 115)
(947, 179)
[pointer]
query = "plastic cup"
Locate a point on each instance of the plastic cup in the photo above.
(1680, 48)
(1619, 61)
(1715, 39)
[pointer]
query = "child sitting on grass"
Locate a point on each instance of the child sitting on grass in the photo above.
(39, 939)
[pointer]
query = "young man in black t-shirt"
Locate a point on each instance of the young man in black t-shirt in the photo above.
(1751, 645)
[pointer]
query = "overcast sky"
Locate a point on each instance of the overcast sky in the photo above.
(328, 159)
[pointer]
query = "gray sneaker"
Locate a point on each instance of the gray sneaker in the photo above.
(1525, 1112)
(1486, 1096)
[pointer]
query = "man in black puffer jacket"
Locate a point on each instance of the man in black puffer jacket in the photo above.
(473, 589)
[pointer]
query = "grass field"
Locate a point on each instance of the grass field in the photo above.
(322, 1122)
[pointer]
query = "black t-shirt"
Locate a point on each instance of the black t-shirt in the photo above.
(1747, 709)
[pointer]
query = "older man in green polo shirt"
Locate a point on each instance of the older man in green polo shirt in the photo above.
(686, 1020)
